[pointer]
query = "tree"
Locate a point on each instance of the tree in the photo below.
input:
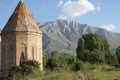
(93, 41)
(111, 58)
(97, 56)
(93, 48)
(118, 54)
(80, 48)
(90, 48)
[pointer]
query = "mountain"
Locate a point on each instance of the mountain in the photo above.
(63, 36)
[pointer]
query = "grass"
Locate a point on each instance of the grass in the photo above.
(88, 72)
(64, 75)
(112, 75)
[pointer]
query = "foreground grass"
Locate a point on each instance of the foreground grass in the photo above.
(63, 75)
(88, 72)
(112, 75)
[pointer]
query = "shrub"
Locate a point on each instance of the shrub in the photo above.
(14, 71)
(51, 64)
(56, 61)
(77, 66)
(26, 67)
(29, 66)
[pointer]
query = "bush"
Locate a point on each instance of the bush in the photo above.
(56, 61)
(52, 64)
(77, 66)
(29, 66)
(15, 71)
(26, 67)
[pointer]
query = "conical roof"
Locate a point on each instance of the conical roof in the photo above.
(21, 20)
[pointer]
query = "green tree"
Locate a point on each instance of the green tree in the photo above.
(90, 48)
(80, 48)
(106, 47)
(93, 48)
(118, 54)
(111, 58)
(93, 41)
(97, 56)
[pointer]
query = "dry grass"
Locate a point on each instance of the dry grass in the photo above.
(89, 72)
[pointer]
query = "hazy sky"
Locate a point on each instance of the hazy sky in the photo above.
(99, 13)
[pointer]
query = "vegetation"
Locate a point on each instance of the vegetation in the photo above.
(73, 69)
(94, 61)
(26, 67)
(94, 49)
(118, 54)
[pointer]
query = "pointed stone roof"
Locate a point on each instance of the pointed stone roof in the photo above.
(21, 20)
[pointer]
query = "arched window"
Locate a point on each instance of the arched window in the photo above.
(23, 53)
(22, 57)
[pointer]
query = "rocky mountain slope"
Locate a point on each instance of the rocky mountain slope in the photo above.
(63, 36)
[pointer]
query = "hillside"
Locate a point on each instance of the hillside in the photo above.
(63, 36)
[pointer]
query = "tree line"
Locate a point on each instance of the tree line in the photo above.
(94, 49)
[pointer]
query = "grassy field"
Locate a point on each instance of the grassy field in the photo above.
(64, 75)
(88, 72)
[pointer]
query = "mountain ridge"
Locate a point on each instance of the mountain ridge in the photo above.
(63, 36)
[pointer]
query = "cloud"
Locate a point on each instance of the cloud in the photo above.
(72, 9)
(60, 3)
(98, 8)
(109, 27)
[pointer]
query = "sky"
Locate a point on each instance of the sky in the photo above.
(98, 13)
